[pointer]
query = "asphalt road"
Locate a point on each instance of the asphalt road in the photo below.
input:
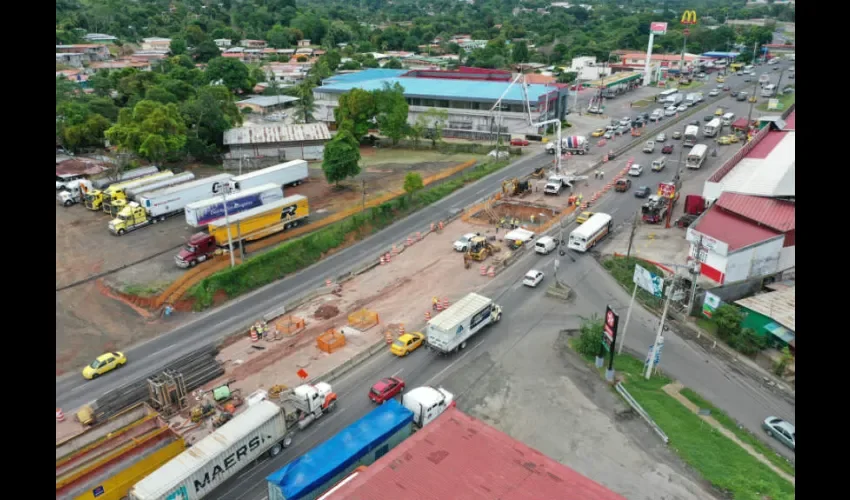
(72, 391)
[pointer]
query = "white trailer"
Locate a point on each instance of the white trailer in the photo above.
(201, 213)
(134, 192)
(172, 200)
(450, 330)
(290, 173)
(104, 182)
(711, 128)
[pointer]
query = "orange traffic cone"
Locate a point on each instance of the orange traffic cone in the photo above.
(60, 417)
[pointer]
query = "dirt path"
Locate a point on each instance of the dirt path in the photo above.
(673, 390)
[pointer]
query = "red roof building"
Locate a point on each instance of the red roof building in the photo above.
(459, 457)
(744, 236)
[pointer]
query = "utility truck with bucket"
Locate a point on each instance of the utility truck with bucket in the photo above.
(450, 330)
(265, 428)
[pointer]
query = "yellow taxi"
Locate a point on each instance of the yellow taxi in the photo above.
(582, 217)
(724, 141)
(718, 112)
(733, 138)
(720, 79)
(103, 364)
(407, 343)
(753, 99)
(598, 132)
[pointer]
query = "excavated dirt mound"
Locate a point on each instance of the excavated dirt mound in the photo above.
(326, 311)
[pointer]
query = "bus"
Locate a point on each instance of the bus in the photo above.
(690, 138)
(697, 156)
(768, 90)
(587, 235)
(736, 66)
(711, 128)
(667, 94)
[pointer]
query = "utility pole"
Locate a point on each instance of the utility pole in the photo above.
(659, 338)
(363, 190)
(628, 316)
(755, 48)
(224, 190)
(695, 274)
(629, 250)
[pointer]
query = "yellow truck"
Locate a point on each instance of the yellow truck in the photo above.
(106, 460)
(95, 197)
(249, 225)
(115, 197)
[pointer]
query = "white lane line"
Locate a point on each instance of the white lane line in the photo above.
(397, 373)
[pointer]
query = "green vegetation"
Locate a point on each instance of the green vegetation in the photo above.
(740, 432)
(727, 466)
(300, 253)
(785, 101)
(728, 319)
(623, 270)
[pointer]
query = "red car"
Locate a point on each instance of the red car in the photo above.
(667, 150)
(726, 88)
(386, 388)
(519, 142)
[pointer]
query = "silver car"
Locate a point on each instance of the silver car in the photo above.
(783, 431)
(661, 137)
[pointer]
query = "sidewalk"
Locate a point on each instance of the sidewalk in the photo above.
(673, 390)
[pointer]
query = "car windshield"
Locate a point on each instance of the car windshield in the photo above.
(94, 364)
(398, 343)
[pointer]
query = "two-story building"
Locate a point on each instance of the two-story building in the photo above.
(156, 44)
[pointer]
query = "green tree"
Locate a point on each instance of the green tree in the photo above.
(206, 51)
(159, 94)
(567, 77)
(208, 116)
(278, 37)
(194, 35)
(85, 134)
(728, 319)
(342, 155)
(590, 336)
(392, 109)
(412, 183)
(150, 129)
(178, 46)
(358, 107)
(436, 119)
(393, 63)
(305, 107)
(519, 53)
(231, 73)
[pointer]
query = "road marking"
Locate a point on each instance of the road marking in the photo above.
(397, 373)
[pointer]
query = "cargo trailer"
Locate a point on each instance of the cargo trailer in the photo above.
(201, 213)
(290, 173)
(450, 330)
(128, 175)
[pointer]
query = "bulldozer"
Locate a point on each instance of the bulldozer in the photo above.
(480, 248)
(515, 187)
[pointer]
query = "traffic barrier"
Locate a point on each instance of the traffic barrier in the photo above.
(409, 241)
(400, 330)
(605, 159)
(395, 251)
(389, 336)
(492, 272)
(441, 225)
(60, 417)
(363, 319)
(445, 303)
(432, 227)
(601, 142)
(427, 316)
(418, 236)
(387, 257)
(329, 283)
(483, 269)
(254, 336)
(439, 305)
(383, 261)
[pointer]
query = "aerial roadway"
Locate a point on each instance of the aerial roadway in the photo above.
(73, 391)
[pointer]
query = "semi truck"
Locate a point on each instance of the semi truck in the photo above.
(106, 460)
(427, 403)
(133, 193)
(74, 192)
(250, 225)
(201, 213)
(575, 144)
(95, 197)
(265, 428)
(291, 173)
(450, 330)
(157, 205)
(115, 194)
(104, 182)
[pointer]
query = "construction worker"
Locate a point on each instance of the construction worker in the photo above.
(502, 222)
(601, 174)
(435, 301)
(532, 218)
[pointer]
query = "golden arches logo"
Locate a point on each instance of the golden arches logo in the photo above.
(689, 17)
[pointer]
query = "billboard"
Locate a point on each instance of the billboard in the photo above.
(658, 28)
(609, 329)
(666, 190)
(710, 304)
(647, 281)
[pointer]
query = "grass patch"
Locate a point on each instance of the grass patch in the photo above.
(623, 270)
(741, 433)
(297, 254)
(407, 157)
(707, 325)
(727, 466)
(147, 290)
(643, 103)
(785, 100)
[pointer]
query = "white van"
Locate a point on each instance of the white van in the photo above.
(657, 114)
(658, 164)
(545, 245)
(728, 118)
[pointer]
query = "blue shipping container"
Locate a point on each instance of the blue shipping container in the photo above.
(361, 443)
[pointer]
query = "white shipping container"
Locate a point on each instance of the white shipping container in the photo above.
(135, 173)
(285, 174)
(175, 198)
(455, 325)
(133, 192)
(201, 213)
(199, 470)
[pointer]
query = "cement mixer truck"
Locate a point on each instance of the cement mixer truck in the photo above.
(575, 144)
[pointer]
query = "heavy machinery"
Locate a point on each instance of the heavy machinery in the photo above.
(539, 173)
(480, 248)
(515, 187)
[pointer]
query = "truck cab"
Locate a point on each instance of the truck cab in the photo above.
(94, 199)
(305, 403)
(555, 184)
(74, 192)
(132, 216)
(427, 403)
(200, 247)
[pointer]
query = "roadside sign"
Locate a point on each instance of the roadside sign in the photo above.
(657, 354)
(609, 328)
(710, 304)
(658, 28)
(648, 281)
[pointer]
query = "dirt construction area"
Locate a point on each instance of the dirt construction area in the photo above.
(89, 321)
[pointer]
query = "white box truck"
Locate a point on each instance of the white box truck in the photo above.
(201, 213)
(263, 428)
(291, 173)
(450, 330)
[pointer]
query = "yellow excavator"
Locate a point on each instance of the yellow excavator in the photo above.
(480, 248)
(515, 187)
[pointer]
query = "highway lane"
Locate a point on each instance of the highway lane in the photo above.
(72, 391)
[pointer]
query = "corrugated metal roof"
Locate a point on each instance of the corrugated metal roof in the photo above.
(365, 75)
(459, 457)
(768, 170)
(731, 229)
(319, 465)
(268, 100)
(780, 306)
(266, 134)
(775, 214)
(173, 472)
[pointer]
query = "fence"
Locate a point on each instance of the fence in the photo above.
(330, 341)
(289, 324)
(363, 319)
(639, 409)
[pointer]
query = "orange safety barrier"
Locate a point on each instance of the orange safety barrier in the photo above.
(601, 142)
(363, 319)
(388, 335)
(289, 324)
(60, 417)
(330, 341)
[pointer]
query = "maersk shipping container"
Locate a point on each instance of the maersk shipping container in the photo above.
(197, 471)
(133, 192)
(361, 443)
(285, 174)
(201, 213)
(104, 182)
(175, 198)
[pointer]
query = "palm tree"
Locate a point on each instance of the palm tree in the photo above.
(305, 107)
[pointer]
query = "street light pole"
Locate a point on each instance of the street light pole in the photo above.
(658, 336)
(224, 190)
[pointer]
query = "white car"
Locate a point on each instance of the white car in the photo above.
(532, 278)
(661, 137)
(649, 147)
(714, 93)
(682, 108)
(609, 134)
(501, 155)
(462, 243)
(670, 111)
(635, 170)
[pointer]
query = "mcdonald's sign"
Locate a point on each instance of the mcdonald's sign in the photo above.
(689, 17)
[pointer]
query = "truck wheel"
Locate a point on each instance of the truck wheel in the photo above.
(121, 232)
(275, 450)
(462, 346)
(193, 263)
(287, 441)
(161, 218)
(331, 406)
(68, 203)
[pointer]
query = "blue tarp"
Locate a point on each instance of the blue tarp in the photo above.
(319, 465)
